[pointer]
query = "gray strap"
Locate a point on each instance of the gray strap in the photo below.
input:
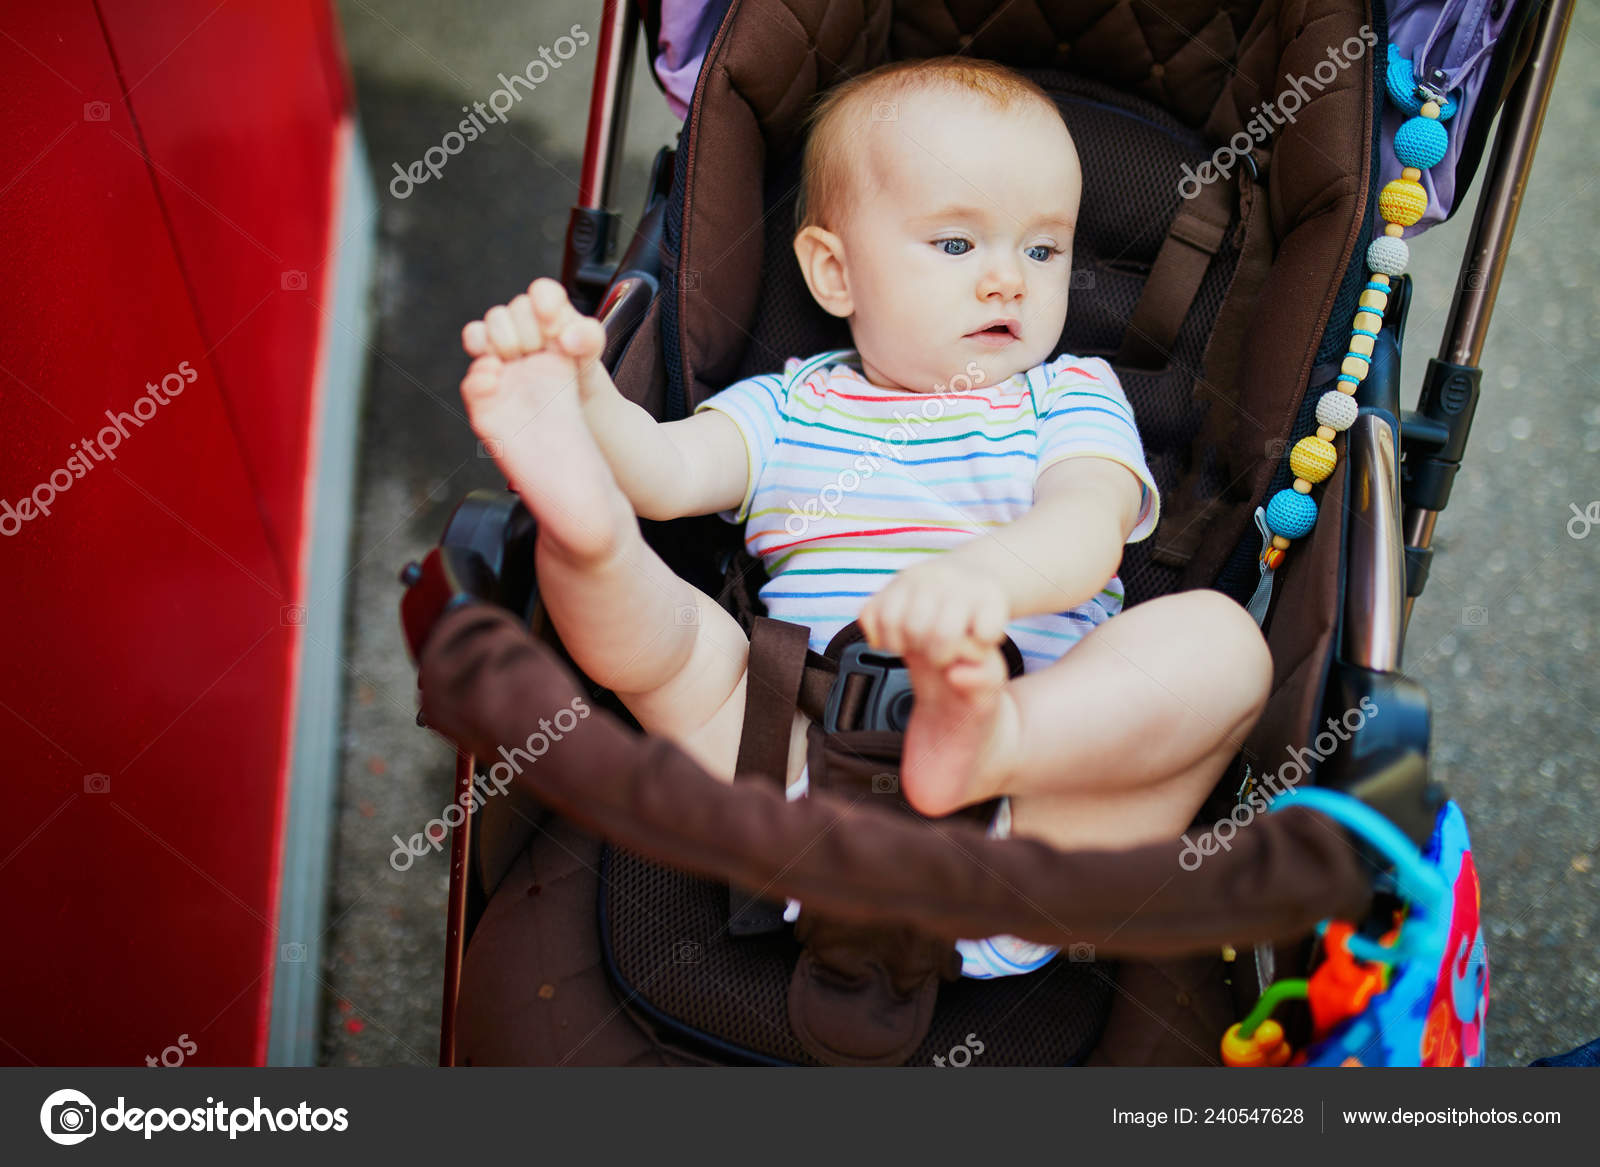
(1262, 600)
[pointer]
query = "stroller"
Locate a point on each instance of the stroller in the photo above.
(619, 912)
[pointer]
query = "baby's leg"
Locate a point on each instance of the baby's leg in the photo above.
(1122, 739)
(1119, 742)
(669, 652)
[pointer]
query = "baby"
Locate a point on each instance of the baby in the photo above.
(937, 217)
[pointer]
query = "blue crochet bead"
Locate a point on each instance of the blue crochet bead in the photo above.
(1291, 514)
(1349, 378)
(1421, 142)
(1401, 83)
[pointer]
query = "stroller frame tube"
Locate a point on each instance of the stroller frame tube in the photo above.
(1483, 261)
(455, 927)
(608, 103)
(586, 270)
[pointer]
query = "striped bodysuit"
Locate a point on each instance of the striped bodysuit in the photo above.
(850, 482)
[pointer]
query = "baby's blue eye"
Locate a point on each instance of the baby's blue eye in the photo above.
(1049, 252)
(945, 244)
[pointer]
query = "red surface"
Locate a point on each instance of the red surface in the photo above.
(147, 638)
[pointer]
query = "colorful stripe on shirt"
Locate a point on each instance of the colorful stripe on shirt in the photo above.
(851, 482)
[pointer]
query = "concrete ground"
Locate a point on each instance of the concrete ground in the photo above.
(1503, 639)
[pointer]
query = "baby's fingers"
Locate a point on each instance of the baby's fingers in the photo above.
(989, 621)
(475, 339)
(583, 339)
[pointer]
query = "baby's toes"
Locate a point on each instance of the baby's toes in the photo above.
(482, 380)
(502, 330)
(529, 337)
(550, 304)
(972, 679)
(475, 338)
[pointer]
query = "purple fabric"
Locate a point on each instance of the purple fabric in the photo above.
(1458, 36)
(687, 27)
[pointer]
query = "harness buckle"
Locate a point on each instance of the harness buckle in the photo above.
(888, 700)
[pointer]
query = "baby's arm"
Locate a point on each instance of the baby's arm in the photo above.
(695, 466)
(1063, 550)
(1055, 557)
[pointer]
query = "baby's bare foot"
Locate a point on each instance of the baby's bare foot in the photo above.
(522, 397)
(963, 733)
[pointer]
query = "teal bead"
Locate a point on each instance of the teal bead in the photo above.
(1291, 514)
(1421, 142)
(1401, 82)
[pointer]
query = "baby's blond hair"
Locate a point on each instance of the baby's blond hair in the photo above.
(828, 176)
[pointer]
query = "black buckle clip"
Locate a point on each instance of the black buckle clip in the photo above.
(888, 701)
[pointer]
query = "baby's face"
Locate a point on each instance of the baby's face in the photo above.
(958, 248)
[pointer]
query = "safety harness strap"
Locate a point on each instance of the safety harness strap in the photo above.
(1196, 235)
(777, 665)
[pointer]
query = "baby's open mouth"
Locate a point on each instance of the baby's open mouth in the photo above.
(997, 332)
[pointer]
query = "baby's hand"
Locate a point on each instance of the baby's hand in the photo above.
(541, 320)
(939, 609)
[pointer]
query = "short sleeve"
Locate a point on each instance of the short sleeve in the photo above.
(756, 405)
(1085, 413)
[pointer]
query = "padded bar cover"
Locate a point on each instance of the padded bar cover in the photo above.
(485, 683)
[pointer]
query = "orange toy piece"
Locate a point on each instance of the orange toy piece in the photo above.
(1342, 985)
(1265, 1047)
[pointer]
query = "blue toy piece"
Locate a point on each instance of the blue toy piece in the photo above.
(1401, 82)
(1433, 1011)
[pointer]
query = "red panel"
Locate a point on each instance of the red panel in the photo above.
(236, 109)
(146, 639)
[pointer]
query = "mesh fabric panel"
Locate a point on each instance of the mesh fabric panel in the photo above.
(667, 947)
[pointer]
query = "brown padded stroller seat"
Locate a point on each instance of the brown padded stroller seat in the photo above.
(1235, 390)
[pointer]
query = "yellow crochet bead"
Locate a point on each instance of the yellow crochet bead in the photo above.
(1393, 229)
(1402, 202)
(1326, 433)
(1368, 321)
(1410, 173)
(1312, 459)
(1430, 109)
(1377, 301)
(1302, 486)
(1361, 344)
(1354, 366)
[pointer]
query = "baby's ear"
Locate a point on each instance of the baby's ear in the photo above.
(821, 256)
